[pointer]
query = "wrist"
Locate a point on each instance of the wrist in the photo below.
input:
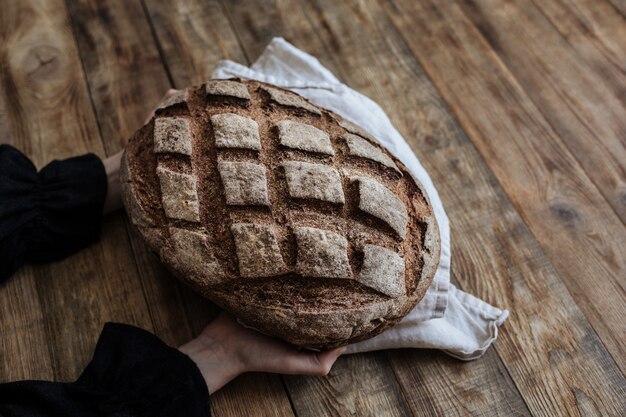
(217, 363)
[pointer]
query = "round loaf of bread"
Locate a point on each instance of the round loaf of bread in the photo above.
(281, 212)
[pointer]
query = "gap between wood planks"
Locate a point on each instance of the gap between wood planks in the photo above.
(576, 89)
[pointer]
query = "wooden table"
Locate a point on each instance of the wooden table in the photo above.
(516, 108)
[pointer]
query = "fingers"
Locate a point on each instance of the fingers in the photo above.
(260, 353)
(303, 363)
(328, 358)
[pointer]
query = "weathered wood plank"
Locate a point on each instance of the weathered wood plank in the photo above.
(51, 111)
(22, 325)
(582, 99)
(496, 256)
(619, 5)
(81, 293)
(334, 34)
(124, 71)
(252, 395)
(453, 388)
(573, 223)
(595, 30)
(193, 35)
(287, 20)
(21, 318)
(359, 385)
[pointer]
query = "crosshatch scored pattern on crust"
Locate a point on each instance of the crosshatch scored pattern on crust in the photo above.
(377, 253)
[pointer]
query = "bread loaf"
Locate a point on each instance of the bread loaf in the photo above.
(281, 212)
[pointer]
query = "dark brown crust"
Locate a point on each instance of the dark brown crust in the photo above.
(317, 313)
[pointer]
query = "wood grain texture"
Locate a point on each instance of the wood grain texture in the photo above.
(50, 112)
(21, 318)
(356, 54)
(252, 395)
(453, 388)
(22, 324)
(573, 223)
(193, 35)
(619, 5)
(579, 90)
(122, 64)
(80, 294)
(361, 385)
(494, 242)
(595, 30)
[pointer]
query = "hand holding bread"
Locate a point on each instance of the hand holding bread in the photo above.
(225, 349)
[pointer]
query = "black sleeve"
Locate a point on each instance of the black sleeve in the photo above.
(132, 373)
(48, 215)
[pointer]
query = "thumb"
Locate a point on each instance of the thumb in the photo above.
(314, 363)
(330, 356)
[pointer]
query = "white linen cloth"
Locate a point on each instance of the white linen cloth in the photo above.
(446, 318)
